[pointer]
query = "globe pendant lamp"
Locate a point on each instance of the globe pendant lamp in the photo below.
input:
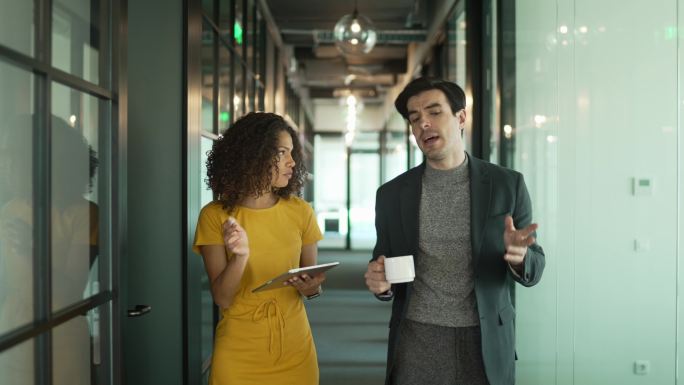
(355, 34)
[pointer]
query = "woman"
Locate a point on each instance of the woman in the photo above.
(257, 229)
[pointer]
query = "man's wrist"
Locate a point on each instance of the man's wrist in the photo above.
(386, 295)
(517, 270)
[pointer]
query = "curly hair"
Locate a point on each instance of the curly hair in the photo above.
(242, 160)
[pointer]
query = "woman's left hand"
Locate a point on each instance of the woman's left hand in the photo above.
(307, 285)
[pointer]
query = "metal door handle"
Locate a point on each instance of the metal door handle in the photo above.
(139, 310)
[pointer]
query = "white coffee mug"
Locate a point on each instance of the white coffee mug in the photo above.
(399, 269)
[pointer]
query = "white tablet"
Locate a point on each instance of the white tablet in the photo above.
(277, 282)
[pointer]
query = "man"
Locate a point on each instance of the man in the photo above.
(468, 225)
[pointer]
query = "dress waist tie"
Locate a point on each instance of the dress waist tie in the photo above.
(276, 324)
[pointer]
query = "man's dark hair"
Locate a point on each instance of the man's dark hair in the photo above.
(241, 161)
(454, 94)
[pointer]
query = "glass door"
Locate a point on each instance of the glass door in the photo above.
(58, 192)
(364, 180)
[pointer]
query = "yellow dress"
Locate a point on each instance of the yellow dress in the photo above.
(264, 338)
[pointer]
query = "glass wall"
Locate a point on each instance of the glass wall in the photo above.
(491, 124)
(17, 31)
(16, 189)
(364, 180)
(456, 55)
(330, 189)
(57, 228)
(598, 137)
(396, 155)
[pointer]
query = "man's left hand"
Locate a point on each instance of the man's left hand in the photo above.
(516, 242)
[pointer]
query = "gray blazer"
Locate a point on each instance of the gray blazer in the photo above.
(495, 192)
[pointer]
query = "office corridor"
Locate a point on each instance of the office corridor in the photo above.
(349, 324)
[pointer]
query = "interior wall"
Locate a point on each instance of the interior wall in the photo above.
(598, 108)
(153, 343)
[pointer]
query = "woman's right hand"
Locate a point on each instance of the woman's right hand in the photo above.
(235, 238)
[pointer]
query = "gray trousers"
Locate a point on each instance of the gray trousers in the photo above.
(438, 355)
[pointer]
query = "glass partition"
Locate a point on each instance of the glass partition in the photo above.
(16, 198)
(58, 190)
(75, 214)
(77, 37)
(330, 197)
(16, 26)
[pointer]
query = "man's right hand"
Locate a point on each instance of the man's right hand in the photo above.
(375, 276)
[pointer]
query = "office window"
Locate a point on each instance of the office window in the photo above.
(79, 349)
(16, 26)
(16, 197)
(225, 88)
(77, 37)
(57, 190)
(239, 88)
(17, 364)
(207, 77)
(75, 211)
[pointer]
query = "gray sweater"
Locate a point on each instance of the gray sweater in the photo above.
(443, 290)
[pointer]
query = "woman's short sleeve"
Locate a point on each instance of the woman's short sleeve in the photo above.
(209, 229)
(311, 233)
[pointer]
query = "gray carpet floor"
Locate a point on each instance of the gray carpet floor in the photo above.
(349, 325)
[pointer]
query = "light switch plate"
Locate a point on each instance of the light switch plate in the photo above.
(642, 186)
(642, 245)
(642, 367)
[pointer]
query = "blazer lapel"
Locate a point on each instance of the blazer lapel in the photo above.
(480, 195)
(409, 201)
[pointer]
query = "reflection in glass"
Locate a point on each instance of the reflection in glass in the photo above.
(225, 12)
(239, 95)
(250, 57)
(76, 37)
(74, 229)
(238, 26)
(260, 71)
(494, 116)
(456, 63)
(208, 36)
(208, 8)
(16, 25)
(16, 364)
(16, 198)
(81, 350)
(224, 91)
